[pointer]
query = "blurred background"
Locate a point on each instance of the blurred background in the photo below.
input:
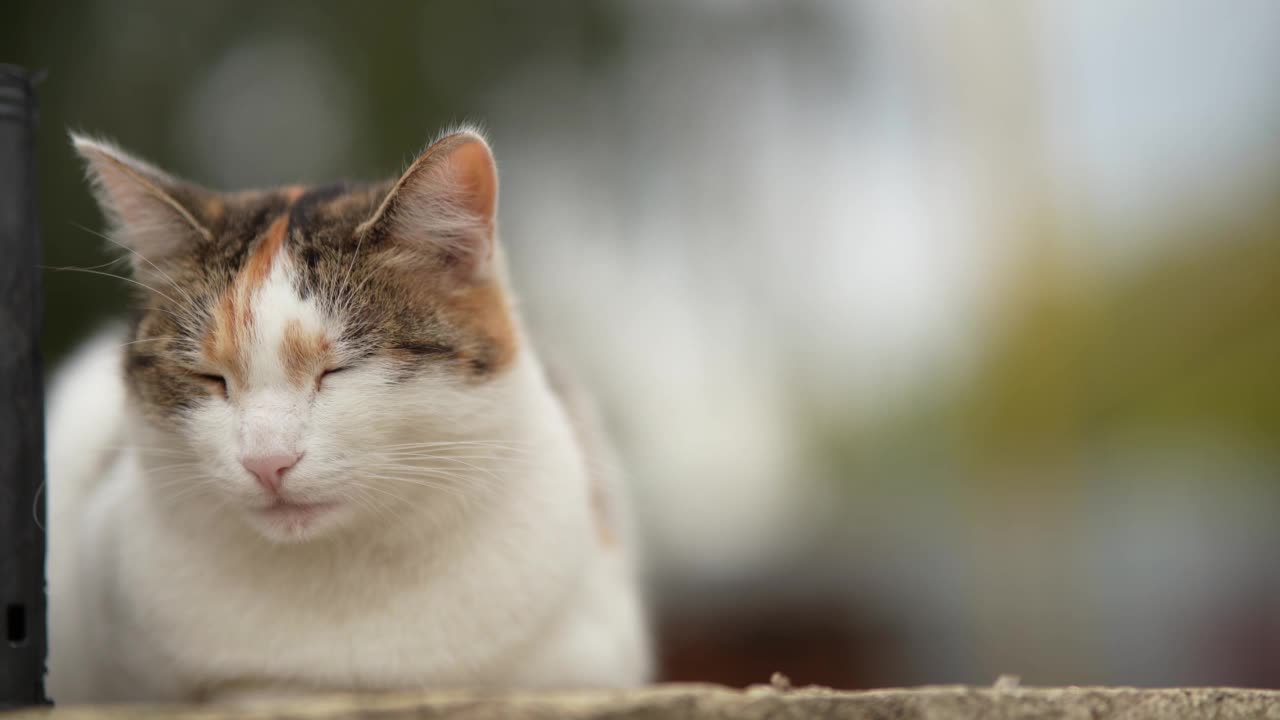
(941, 339)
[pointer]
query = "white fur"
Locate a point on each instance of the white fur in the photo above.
(167, 582)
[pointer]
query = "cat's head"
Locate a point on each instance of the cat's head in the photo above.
(296, 350)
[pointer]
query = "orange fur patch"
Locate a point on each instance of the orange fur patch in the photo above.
(486, 310)
(233, 316)
(258, 267)
(221, 346)
(304, 354)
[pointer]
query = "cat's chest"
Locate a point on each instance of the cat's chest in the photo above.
(443, 615)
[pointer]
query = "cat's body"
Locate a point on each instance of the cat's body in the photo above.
(327, 458)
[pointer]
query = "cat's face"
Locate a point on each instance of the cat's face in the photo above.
(295, 350)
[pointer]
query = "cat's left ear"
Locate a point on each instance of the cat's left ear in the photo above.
(445, 205)
(151, 213)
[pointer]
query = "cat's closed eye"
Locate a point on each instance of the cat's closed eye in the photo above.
(217, 382)
(330, 371)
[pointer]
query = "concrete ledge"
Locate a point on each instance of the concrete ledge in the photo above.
(778, 702)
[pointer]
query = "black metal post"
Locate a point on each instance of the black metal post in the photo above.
(22, 541)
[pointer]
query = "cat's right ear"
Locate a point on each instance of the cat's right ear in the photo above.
(150, 213)
(445, 205)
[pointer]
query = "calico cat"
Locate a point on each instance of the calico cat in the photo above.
(325, 455)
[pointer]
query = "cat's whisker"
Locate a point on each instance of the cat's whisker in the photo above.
(446, 487)
(483, 460)
(131, 281)
(485, 464)
(446, 461)
(457, 485)
(459, 443)
(357, 494)
(463, 454)
(170, 480)
(159, 453)
(356, 292)
(131, 446)
(190, 486)
(143, 340)
(177, 466)
(472, 454)
(490, 472)
(171, 494)
(509, 460)
(422, 471)
(494, 451)
(453, 479)
(144, 258)
(351, 266)
(384, 491)
(398, 511)
(466, 441)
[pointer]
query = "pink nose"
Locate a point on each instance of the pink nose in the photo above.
(269, 469)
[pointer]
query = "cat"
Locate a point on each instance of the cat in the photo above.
(325, 456)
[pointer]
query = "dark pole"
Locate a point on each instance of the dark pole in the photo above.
(22, 542)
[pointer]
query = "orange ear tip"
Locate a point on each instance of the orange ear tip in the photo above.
(473, 167)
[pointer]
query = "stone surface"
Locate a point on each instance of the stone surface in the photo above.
(1004, 701)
